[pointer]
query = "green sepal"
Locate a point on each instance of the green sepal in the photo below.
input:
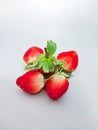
(51, 47)
(59, 63)
(28, 67)
(67, 73)
(45, 66)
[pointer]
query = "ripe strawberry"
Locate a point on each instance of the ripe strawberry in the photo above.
(56, 86)
(70, 59)
(31, 82)
(31, 54)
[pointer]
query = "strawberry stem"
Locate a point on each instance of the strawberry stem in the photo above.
(60, 69)
(67, 76)
(67, 73)
(46, 53)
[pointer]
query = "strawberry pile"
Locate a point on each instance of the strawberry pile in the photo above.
(44, 70)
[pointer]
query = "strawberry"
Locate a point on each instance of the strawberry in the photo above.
(70, 59)
(31, 54)
(31, 82)
(56, 86)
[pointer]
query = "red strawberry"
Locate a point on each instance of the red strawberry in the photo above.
(31, 82)
(56, 86)
(70, 59)
(31, 54)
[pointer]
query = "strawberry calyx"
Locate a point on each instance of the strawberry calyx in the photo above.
(47, 62)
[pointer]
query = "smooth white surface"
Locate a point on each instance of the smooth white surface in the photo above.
(72, 24)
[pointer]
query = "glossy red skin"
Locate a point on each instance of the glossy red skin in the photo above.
(56, 86)
(31, 82)
(31, 54)
(70, 59)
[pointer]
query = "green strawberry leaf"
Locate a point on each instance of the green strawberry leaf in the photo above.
(38, 65)
(51, 67)
(67, 72)
(59, 63)
(45, 66)
(28, 67)
(51, 47)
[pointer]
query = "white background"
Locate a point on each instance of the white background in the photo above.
(73, 25)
